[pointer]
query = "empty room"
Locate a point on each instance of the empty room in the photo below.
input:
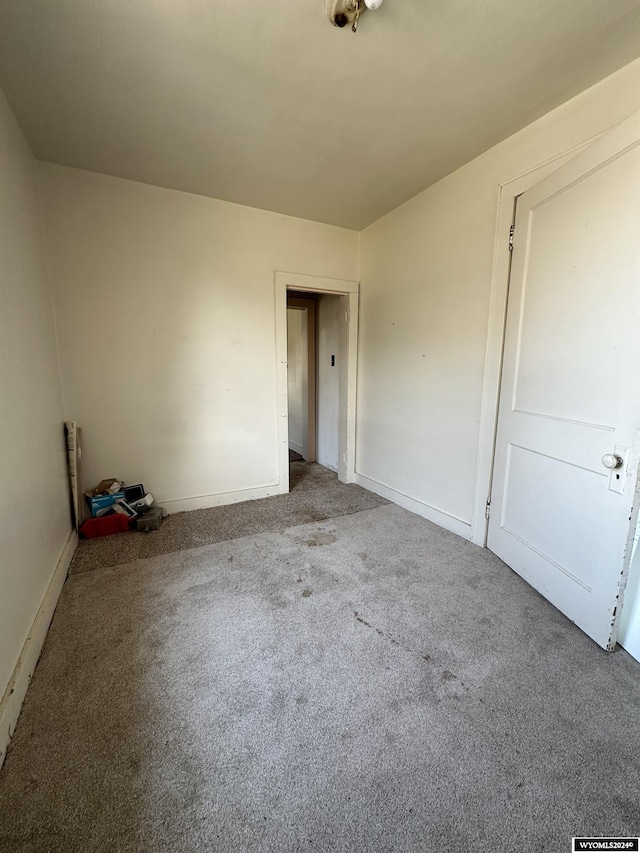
(321, 468)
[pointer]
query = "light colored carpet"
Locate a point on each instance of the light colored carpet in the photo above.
(316, 494)
(368, 683)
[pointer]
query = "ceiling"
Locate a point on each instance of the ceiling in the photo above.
(266, 104)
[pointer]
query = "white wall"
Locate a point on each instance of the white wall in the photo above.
(629, 635)
(424, 309)
(297, 378)
(165, 310)
(34, 502)
(328, 343)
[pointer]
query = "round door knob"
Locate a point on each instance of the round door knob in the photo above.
(610, 460)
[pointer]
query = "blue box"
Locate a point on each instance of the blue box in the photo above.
(99, 502)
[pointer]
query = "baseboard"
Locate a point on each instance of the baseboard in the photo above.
(298, 448)
(220, 499)
(437, 516)
(21, 677)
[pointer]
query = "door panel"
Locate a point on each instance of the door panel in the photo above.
(571, 388)
(527, 479)
(567, 286)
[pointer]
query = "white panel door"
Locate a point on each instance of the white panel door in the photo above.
(570, 393)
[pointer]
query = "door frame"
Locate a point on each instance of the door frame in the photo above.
(348, 357)
(508, 193)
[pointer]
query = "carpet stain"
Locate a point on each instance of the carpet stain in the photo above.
(320, 538)
(448, 676)
(361, 620)
(306, 593)
(392, 640)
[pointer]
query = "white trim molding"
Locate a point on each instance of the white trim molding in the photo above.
(348, 292)
(21, 677)
(219, 499)
(314, 283)
(437, 516)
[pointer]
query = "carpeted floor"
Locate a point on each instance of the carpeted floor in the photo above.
(316, 494)
(366, 683)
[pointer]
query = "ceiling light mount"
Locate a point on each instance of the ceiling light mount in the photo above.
(343, 12)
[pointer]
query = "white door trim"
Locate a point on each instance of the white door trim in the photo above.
(349, 291)
(507, 195)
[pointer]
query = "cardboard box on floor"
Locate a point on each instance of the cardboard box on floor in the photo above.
(105, 494)
(106, 487)
(109, 498)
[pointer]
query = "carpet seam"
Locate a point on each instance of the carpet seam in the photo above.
(74, 574)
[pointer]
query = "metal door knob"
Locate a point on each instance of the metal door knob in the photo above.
(611, 461)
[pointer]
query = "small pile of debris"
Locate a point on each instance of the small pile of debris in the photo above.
(115, 508)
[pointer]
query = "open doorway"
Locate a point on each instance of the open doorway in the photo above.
(301, 376)
(313, 377)
(316, 341)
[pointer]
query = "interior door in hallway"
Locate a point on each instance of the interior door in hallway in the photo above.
(564, 495)
(301, 374)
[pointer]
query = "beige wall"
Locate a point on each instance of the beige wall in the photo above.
(34, 503)
(165, 310)
(426, 271)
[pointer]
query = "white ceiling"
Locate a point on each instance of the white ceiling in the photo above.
(266, 104)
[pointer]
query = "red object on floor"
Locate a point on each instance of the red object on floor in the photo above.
(104, 526)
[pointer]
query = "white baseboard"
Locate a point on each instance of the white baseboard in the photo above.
(21, 677)
(437, 516)
(221, 498)
(298, 448)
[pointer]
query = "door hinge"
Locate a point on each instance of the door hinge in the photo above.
(511, 233)
(487, 509)
(347, 315)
